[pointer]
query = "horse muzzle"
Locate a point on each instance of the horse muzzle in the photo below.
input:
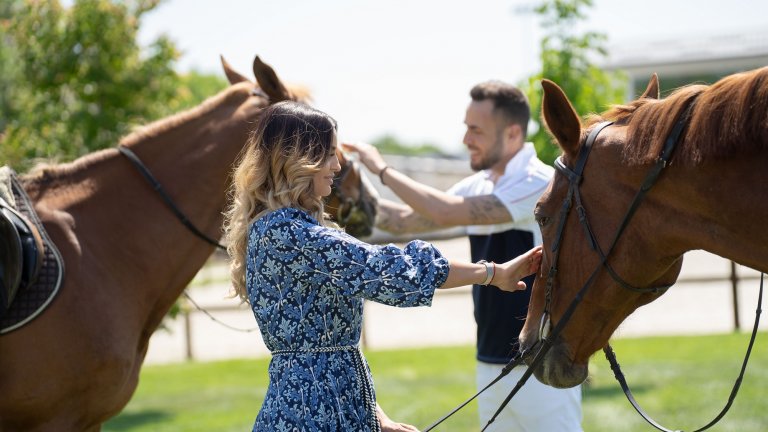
(556, 369)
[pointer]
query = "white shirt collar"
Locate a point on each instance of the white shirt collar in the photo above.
(516, 166)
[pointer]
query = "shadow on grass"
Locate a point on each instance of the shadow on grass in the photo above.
(126, 420)
(609, 391)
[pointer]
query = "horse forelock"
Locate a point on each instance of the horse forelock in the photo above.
(727, 118)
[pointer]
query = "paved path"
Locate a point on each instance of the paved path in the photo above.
(688, 308)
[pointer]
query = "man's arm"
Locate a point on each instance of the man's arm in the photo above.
(443, 209)
(401, 219)
(433, 205)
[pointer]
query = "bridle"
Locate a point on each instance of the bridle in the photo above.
(131, 156)
(546, 338)
(361, 212)
(574, 177)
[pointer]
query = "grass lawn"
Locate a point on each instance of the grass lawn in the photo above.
(683, 382)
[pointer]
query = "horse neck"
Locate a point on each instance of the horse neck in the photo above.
(719, 207)
(123, 229)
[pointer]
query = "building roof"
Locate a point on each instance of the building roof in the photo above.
(724, 53)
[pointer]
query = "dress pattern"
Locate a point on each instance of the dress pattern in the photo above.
(306, 285)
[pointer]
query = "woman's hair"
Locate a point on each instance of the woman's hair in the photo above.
(287, 148)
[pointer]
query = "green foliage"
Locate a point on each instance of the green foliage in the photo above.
(682, 382)
(195, 87)
(389, 144)
(75, 80)
(567, 59)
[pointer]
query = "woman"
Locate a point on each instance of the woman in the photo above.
(306, 280)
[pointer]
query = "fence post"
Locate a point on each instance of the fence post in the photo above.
(187, 334)
(735, 292)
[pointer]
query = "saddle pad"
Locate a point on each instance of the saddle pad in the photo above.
(33, 299)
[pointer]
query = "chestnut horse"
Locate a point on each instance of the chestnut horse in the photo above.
(711, 196)
(127, 257)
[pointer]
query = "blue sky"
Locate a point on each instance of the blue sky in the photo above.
(405, 67)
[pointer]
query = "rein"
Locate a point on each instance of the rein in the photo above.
(609, 354)
(128, 153)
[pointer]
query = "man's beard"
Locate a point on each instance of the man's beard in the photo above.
(491, 158)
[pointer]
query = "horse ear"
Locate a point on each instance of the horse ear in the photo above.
(269, 82)
(652, 91)
(232, 76)
(560, 117)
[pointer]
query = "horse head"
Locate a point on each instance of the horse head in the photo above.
(352, 202)
(584, 190)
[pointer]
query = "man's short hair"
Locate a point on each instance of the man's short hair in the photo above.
(508, 101)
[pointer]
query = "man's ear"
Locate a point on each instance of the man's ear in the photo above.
(513, 132)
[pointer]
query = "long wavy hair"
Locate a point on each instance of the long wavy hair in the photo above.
(287, 148)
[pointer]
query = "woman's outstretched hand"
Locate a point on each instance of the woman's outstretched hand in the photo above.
(508, 274)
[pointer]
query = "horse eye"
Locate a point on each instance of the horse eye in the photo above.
(542, 220)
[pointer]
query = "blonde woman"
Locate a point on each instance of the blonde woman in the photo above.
(305, 279)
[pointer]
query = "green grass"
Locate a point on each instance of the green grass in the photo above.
(682, 382)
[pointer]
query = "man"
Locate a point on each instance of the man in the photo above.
(496, 206)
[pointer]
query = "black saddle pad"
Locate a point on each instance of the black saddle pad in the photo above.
(33, 299)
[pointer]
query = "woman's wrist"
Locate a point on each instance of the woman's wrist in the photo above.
(381, 173)
(490, 272)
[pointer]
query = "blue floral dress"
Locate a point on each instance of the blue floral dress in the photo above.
(306, 285)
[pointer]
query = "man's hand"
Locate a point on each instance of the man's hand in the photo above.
(369, 155)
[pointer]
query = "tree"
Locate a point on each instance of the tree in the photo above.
(75, 80)
(567, 59)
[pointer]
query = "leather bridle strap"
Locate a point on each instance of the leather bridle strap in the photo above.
(611, 356)
(128, 153)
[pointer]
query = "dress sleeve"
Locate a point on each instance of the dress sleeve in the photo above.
(385, 274)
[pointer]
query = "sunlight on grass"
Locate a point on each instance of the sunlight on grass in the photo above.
(682, 382)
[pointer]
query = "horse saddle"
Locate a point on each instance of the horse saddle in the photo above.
(21, 253)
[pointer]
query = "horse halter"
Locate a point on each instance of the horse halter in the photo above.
(361, 212)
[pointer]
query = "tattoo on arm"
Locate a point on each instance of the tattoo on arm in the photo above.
(487, 209)
(401, 219)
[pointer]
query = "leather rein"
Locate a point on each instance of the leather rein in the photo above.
(547, 336)
(131, 156)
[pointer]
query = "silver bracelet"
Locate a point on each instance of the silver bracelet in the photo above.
(490, 271)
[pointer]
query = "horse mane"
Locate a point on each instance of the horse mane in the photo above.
(728, 117)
